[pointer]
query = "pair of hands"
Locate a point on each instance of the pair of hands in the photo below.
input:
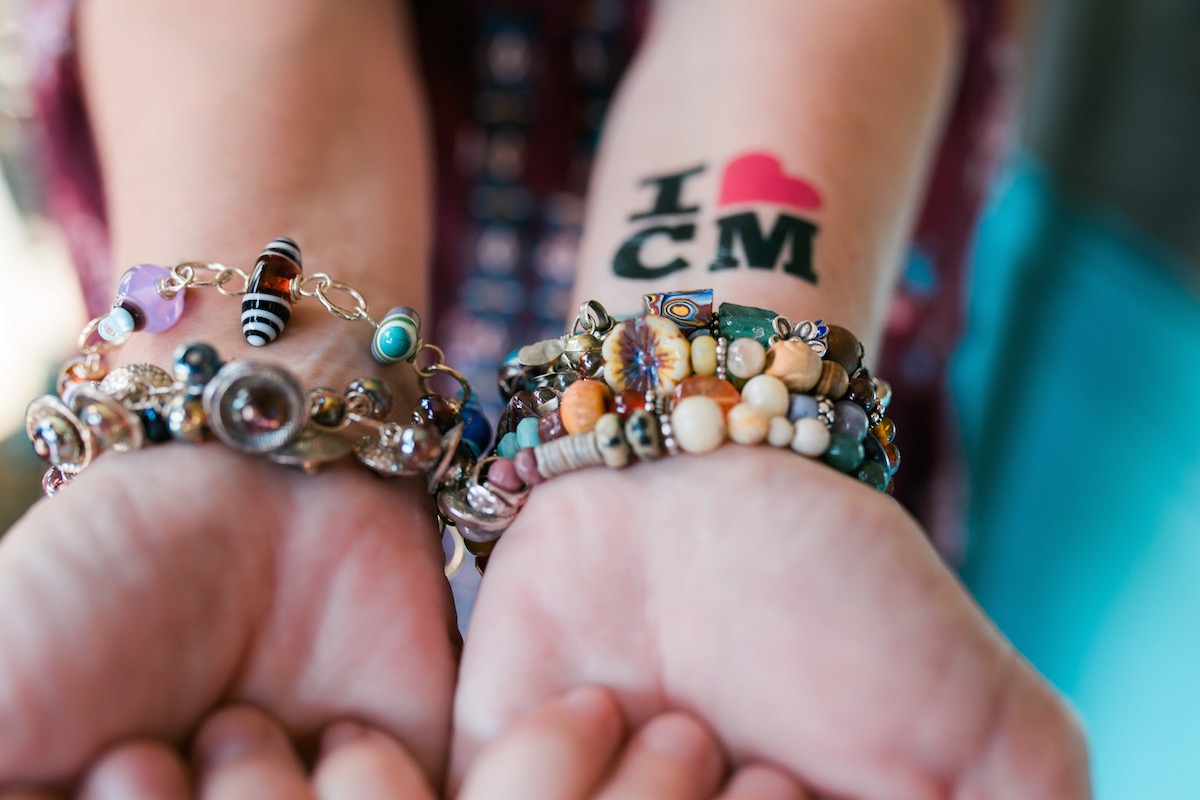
(801, 616)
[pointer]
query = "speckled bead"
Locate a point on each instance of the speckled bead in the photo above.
(610, 440)
(811, 437)
(704, 355)
(768, 394)
(745, 358)
(584, 402)
(780, 432)
(643, 434)
(747, 424)
(698, 424)
(833, 381)
(794, 363)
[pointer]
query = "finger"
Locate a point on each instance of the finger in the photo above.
(673, 757)
(242, 753)
(360, 763)
(559, 752)
(760, 782)
(139, 770)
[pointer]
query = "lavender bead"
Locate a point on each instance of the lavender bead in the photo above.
(138, 294)
(849, 419)
(801, 406)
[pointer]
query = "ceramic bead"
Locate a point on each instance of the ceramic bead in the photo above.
(811, 437)
(643, 434)
(767, 394)
(646, 354)
(707, 386)
(267, 303)
(794, 363)
(584, 402)
(747, 424)
(398, 336)
(780, 432)
(745, 358)
(698, 424)
(833, 381)
(610, 439)
(704, 355)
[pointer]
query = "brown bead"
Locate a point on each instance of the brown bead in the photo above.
(724, 392)
(584, 402)
(551, 427)
(833, 382)
(437, 411)
(844, 349)
(520, 406)
(862, 391)
(794, 363)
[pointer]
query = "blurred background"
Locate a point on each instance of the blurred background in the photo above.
(1072, 391)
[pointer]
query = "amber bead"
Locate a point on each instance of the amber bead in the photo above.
(862, 391)
(437, 411)
(628, 401)
(584, 402)
(893, 457)
(844, 349)
(708, 386)
(833, 382)
(885, 431)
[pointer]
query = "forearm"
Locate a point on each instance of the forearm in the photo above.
(848, 97)
(222, 125)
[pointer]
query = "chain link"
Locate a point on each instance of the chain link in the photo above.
(593, 319)
(319, 285)
(437, 367)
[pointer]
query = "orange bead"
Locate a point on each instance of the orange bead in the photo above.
(584, 402)
(724, 392)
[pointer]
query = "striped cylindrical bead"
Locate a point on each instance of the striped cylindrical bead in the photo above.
(267, 304)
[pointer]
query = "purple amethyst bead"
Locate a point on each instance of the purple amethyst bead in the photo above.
(137, 294)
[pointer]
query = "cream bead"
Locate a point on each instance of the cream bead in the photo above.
(698, 424)
(747, 424)
(745, 358)
(780, 433)
(768, 394)
(795, 363)
(704, 355)
(811, 437)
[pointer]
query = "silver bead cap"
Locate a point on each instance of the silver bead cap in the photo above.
(255, 408)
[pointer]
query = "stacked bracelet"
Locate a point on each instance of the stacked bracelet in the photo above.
(255, 408)
(684, 377)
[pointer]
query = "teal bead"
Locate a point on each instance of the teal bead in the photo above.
(845, 453)
(397, 337)
(738, 322)
(874, 474)
(527, 433)
(507, 446)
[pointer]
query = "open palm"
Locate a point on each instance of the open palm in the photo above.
(800, 614)
(165, 582)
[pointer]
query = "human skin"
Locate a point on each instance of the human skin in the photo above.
(801, 614)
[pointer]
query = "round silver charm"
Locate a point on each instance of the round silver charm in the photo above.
(113, 426)
(311, 449)
(255, 408)
(57, 435)
(137, 386)
(400, 450)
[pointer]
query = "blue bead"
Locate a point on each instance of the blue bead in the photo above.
(477, 431)
(527, 433)
(155, 424)
(507, 448)
(196, 364)
(397, 336)
(801, 406)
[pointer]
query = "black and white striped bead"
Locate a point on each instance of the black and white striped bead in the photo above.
(267, 304)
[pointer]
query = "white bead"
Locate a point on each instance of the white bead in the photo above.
(780, 433)
(116, 325)
(768, 394)
(811, 438)
(747, 425)
(745, 358)
(698, 424)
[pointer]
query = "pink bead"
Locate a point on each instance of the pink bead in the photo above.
(138, 294)
(526, 464)
(503, 475)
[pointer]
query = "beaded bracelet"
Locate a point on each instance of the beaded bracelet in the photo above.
(680, 378)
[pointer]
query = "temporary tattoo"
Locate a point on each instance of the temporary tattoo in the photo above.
(752, 179)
